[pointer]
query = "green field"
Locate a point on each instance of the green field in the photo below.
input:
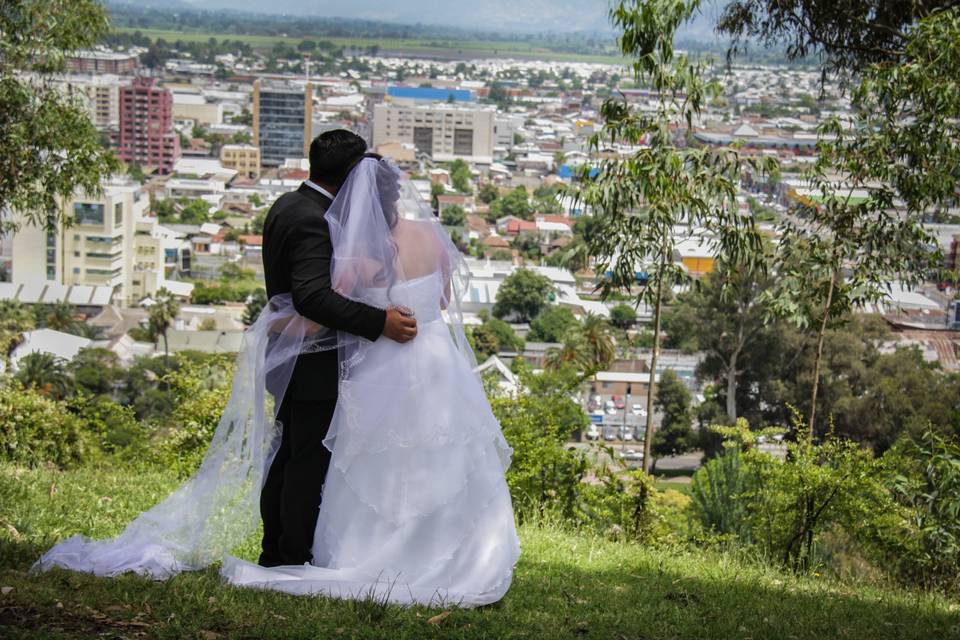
(439, 48)
(567, 585)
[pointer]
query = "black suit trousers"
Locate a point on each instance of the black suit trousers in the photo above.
(290, 500)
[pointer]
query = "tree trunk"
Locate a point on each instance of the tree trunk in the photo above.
(652, 387)
(819, 359)
(732, 388)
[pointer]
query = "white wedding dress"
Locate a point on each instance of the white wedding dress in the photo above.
(415, 506)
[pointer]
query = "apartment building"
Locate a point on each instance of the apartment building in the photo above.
(282, 121)
(112, 242)
(102, 62)
(242, 158)
(146, 126)
(101, 95)
(443, 130)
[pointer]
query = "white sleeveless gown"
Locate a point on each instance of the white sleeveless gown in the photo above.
(415, 506)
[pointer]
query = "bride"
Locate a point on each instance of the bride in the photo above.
(415, 507)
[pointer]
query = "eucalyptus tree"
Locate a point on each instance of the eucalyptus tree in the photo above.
(49, 148)
(663, 189)
(876, 181)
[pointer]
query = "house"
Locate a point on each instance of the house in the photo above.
(507, 381)
(61, 345)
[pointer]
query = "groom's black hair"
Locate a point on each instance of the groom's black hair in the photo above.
(333, 154)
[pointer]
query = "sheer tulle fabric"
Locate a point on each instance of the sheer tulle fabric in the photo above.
(415, 506)
(218, 507)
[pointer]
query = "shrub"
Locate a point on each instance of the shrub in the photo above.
(923, 545)
(783, 507)
(202, 389)
(113, 428)
(35, 429)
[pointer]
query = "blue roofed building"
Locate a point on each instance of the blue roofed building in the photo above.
(430, 94)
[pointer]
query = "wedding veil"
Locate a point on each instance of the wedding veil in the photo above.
(383, 234)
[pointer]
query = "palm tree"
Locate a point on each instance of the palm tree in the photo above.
(44, 372)
(573, 352)
(15, 319)
(162, 314)
(59, 317)
(595, 333)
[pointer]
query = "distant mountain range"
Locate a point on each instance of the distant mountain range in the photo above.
(560, 16)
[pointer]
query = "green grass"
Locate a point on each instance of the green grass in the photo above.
(439, 47)
(566, 586)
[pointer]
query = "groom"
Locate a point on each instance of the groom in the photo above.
(296, 259)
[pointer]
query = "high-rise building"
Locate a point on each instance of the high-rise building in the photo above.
(282, 121)
(146, 133)
(442, 130)
(112, 243)
(101, 94)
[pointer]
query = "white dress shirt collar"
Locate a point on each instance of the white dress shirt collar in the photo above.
(313, 185)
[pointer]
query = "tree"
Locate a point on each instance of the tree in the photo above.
(523, 294)
(453, 216)
(166, 210)
(44, 372)
(639, 200)
(724, 318)
(507, 338)
(595, 332)
(902, 151)
(623, 316)
(95, 371)
(484, 342)
(255, 304)
(15, 320)
(58, 316)
(488, 192)
(573, 353)
(460, 176)
(51, 149)
(135, 171)
(161, 315)
(436, 190)
(675, 435)
(516, 203)
(851, 34)
(552, 324)
(195, 212)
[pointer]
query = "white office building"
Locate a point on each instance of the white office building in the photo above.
(443, 130)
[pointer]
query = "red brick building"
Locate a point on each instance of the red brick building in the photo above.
(146, 133)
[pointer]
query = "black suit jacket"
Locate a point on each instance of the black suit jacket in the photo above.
(296, 259)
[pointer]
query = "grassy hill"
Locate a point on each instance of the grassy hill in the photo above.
(567, 585)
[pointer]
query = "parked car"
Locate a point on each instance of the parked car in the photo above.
(609, 435)
(631, 454)
(626, 434)
(618, 402)
(609, 405)
(638, 410)
(592, 432)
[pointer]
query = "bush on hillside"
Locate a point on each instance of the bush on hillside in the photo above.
(35, 429)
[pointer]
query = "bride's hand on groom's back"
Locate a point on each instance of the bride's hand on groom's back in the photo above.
(398, 326)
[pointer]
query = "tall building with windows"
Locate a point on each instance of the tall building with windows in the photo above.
(146, 133)
(282, 121)
(442, 130)
(111, 243)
